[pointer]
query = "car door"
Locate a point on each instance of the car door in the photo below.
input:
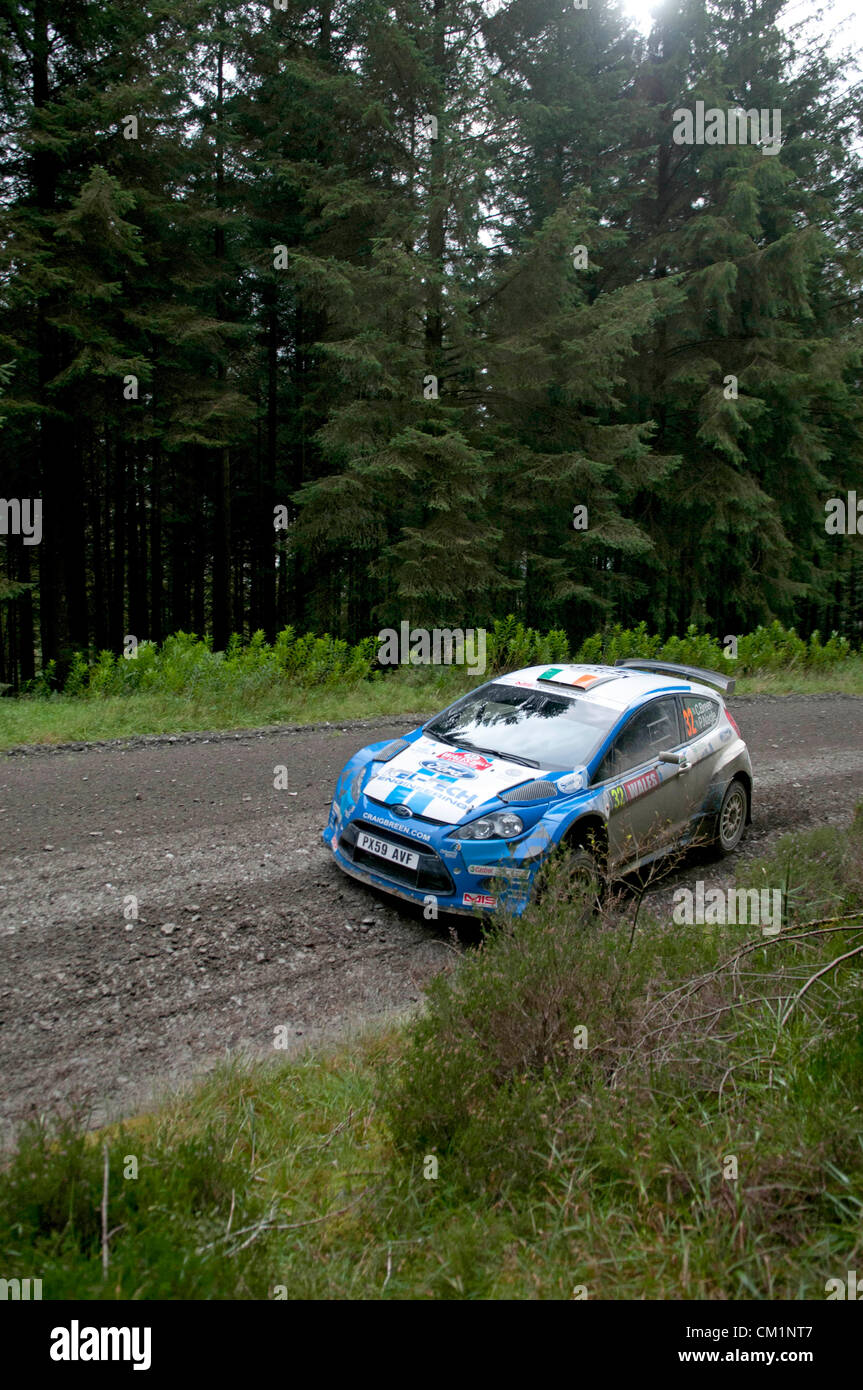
(700, 715)
(645, 810)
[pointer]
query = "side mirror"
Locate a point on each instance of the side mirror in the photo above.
(680, 760)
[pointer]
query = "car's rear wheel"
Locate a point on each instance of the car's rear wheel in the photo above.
(731, 821)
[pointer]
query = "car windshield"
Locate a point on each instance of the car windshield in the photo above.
(553, 731)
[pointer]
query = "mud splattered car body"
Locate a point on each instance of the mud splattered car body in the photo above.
(634, 760)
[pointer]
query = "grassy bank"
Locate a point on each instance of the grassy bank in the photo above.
(67, 719)
(184, 686)
(559, 1121)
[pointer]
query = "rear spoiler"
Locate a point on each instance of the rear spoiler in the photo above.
(696, 673)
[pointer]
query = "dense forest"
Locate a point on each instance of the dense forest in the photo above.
(345, 314)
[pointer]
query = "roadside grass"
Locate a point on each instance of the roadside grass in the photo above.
(845, 678)
(69, 719)
(562, 1170)
(184, 686)
(59, 719)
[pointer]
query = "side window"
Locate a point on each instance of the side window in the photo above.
(650, 731)
(699, 715)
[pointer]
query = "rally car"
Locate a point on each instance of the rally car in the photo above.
(618, 764)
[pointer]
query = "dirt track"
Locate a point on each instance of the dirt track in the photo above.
(244, 923)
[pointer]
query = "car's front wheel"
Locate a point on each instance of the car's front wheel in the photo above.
(571, 876)
(731, 821)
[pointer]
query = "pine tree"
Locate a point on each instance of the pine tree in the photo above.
(740, 376)
(410, 477)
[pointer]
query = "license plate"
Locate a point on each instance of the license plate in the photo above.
(384, 849)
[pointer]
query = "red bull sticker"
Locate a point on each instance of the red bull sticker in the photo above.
(462, 758)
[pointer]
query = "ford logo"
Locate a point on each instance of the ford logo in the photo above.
(447, 769)
(401, 811)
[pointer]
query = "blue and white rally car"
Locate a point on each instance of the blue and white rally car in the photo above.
(618, 764)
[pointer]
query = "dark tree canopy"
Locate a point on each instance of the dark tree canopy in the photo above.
(332, 315)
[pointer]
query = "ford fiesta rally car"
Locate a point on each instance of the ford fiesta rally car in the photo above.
(619, 764)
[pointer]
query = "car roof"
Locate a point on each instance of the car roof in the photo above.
(615, 687)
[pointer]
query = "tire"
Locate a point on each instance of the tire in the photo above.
(582, 877)
(731, 820)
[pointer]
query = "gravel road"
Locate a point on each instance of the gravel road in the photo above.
(244, 923)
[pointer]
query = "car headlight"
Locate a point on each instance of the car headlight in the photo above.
(356, 784)
(502, 825)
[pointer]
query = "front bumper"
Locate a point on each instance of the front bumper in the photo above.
(430, 876)
(466, 877)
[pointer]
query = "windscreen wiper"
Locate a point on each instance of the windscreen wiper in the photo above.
(496, 753)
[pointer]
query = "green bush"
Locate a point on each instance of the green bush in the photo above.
(497, 1041)
(186, 664)
(684, 1059)
(835, 650)
(167, 1224)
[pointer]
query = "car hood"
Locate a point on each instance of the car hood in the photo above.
(443, 783)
